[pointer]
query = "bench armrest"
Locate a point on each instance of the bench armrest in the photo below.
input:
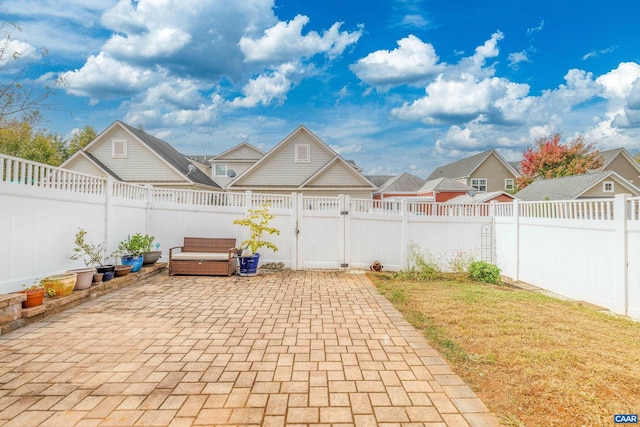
(172, 249)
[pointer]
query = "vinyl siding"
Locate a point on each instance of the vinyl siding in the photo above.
(141, 163)
(237, 154)
(622, 167)
(337, 176)
(83, 165)
(282, 170)
(596, 190)
(495, 173)
(237, 167)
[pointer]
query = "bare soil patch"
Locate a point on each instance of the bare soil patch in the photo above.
(533, 359)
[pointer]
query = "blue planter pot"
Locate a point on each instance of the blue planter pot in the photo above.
(134, 261)
(249, 265)
(107, 271)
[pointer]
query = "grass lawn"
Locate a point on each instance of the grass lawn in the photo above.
(532, 359)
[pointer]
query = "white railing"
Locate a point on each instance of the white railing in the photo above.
(321, 204)
(24, 172)
(275, 201)
(126, 191)
(634, 209)
(376, 206)
(600, 209)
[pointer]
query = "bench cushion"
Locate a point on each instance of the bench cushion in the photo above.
(200, 256)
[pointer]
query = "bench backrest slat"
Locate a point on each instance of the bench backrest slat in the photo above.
(208, 244)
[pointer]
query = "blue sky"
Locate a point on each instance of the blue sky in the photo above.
(398, 86)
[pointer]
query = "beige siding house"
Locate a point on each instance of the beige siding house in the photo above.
(305, 164)
(620, 161)
(594, 185)
(234, 162)
(486, 171)
(131, 155)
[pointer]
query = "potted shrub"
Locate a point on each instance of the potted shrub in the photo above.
(257, 221)
(90, 254)
(130, 251)
(35, 295)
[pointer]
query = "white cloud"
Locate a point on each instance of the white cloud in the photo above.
(266, 88)
(411, 62)
(284, 42)
(156, 44)
(516, 58)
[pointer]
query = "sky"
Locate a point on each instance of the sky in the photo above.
(395, 85)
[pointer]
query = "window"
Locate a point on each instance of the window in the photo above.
(607, 187)
(303, 153)
(508, 184)
(219, 170)
(479, 184)
(119, 148)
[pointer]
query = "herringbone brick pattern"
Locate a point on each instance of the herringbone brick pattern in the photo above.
(289, 349)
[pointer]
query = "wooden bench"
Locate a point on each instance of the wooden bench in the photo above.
(203, 256)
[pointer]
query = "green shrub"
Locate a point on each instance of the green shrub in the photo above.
(482, 271)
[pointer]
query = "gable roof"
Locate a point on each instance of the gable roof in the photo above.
(444, 184)
(379, 180)
(570, 187)
(334, 158)
(609, 156)
(465, 167)
(99, 164)
(242, 145)
(177, 160)
(464, 199)
(403, 183)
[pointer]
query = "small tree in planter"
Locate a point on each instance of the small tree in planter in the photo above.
(90, 254)
(257, 221)
(130, 251)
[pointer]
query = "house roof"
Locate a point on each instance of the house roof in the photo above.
(465, 199)
(98, 163)
(444, 184)
(403, 183)
(235, 148)
(379, 180)
(177, 160)
(569, 187)
(465, 167)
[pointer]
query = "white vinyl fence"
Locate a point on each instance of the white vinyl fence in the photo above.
(586, 249)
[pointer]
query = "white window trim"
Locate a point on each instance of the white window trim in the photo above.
(120, 153)
(604, 187)
(307, 158)
(215, 169)
(509, 184)
(477, 186)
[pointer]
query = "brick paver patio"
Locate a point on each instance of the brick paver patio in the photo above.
(290, 349)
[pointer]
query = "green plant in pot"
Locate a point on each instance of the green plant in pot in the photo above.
(90, 254)
(149, 255)
(130, 251)
(257, 221)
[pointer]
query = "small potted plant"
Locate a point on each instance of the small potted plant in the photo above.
(130, 251)
(35, 295)
(90, 254)
(257, 221)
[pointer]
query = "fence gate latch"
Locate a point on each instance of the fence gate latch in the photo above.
(344, 212)
(344, 265)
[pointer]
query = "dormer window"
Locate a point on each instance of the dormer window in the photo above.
(607, 187)
(119, 148)
(303, 153)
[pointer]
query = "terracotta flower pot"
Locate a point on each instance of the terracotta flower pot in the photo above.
(97, 277)
(34, 299)
(122, 270)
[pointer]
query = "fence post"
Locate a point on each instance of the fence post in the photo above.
(516, 233)
(404, 234)
(148, 196)
(295, 224)
(247, 201)
(108, 210)
(620, 273)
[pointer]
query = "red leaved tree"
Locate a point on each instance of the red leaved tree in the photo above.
(549, 158)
